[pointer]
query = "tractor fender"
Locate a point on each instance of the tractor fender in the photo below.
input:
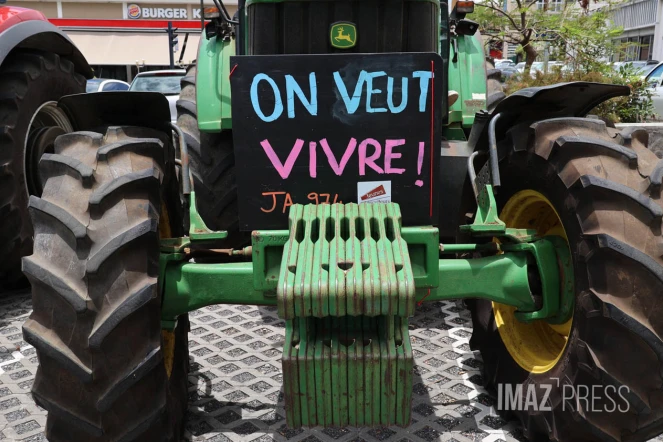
(521, 108)
(526, 106)
(96, 111)
(29, 29)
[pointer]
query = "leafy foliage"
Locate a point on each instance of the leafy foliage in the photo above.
(574, 36)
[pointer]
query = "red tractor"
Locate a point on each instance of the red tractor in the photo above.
(38, 65)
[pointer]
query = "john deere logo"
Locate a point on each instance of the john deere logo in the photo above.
(343, 35)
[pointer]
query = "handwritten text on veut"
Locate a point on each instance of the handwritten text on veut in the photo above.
(378, 156)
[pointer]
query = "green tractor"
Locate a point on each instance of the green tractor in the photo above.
(339, 183)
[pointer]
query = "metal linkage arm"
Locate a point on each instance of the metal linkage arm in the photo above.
(499, 278)
(190, 286)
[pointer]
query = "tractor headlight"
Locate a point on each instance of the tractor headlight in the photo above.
(211, 12)
(465, 7)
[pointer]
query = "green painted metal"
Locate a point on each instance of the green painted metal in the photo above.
(350, 370)
(555, 266)
(190, 286)
(198, 230)
(499, 278)
(454, 131)
(487, 222)
(213, 83)
(467, 76)
(422, 243)
(267, 254)
(463, 248)
(486, 219)
(345, 277)
(346, 259)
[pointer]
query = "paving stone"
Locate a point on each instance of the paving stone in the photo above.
(289, 433)
(212, 406)
(243, 377)
(261, 387)
(19, 375)
(236, 396)
(461, 389)
(433, 362)
(381, 433)
(494, 422)
(467, 410)
(9, 403)
(424, 409)
(12, 366)
(242, 338)
(17, 415)
(200, 352)
(421, 389)
(428, 433)
(198, 428)
(26, 427)
(335, 433)
(448, 422)
(485, 399)
(271, 418)
(451, 355)
(35, 438)
(476, 379)
(474, 434)
(228, 417)
(235, 391)
(254, 405)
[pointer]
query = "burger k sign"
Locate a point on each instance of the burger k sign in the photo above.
(135, 11)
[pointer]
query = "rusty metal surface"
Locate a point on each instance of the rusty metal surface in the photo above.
(341, 371)
(345, 259)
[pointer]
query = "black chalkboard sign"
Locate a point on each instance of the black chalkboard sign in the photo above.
(345, 128)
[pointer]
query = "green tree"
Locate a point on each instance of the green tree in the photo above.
(572, 34)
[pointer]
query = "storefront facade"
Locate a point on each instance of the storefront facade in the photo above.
(120, 39)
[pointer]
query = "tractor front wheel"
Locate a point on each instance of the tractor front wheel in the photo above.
(599, 376)
(107, 371)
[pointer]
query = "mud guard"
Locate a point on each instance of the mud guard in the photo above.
(523, 107)
(42, 35)
(528, 105)
(96, 111)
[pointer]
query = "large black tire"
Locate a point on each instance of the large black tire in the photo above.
(28, 79)
(96, 325)
(212, 161)
(606, 189)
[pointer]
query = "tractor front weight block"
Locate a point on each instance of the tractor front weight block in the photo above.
(345, 278)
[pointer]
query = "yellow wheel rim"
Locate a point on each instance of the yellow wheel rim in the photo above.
(167, 337)
(537, 346)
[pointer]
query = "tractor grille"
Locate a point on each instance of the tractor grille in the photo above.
(302, 27)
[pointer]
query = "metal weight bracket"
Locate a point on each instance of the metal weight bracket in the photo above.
(486, 221)
(198, 231)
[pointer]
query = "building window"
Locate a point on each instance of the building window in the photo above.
(553, 5)
(639, 48)
(645, 47)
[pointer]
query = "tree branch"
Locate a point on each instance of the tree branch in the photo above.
(501, 12)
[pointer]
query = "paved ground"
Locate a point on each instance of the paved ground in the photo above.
(235, 389)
